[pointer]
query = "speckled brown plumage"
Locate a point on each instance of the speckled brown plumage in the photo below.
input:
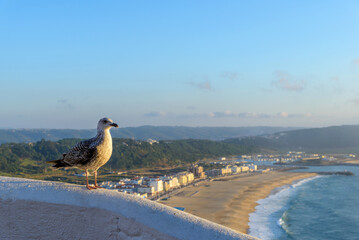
(90, 154)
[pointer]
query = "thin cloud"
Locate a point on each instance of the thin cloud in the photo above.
(230, 75)
(238, 115)
(227, 114)
(266, 90)
(285, 82)
(223, 114)
(355, 101)
(64, 103)
(156, 114)
(205, 85)
(162, 114)
(299, 115)
(255, 115)
(335, 79)
(283, 114)
(356, 62)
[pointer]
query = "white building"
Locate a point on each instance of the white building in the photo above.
(226, 171)
(252, 167)
(151, 141)
(190, 177)
(175, 182)
(182, 179)
(235, 169)
(126, 190)
(146, 189)
(157, 184)
(167, 185)
(244, 169)
(136, 181)
(110, 184)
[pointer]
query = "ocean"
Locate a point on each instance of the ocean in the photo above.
(322, 207)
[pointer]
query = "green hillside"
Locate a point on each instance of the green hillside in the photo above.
(127, 154)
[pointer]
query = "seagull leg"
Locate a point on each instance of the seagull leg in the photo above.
(96, 186)
(87, 181)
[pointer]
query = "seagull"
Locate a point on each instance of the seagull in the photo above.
(90, 154)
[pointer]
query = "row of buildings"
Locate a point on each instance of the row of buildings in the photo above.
(292, 157)
(231, 169)
(146, 186)
(151, 187)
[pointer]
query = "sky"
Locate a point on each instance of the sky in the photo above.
(66, 64)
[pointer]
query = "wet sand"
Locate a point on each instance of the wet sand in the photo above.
(230, 201)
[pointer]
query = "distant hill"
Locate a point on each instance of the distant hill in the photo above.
(140, 133)
(328, 139)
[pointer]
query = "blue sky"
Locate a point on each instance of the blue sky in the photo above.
(65, 64)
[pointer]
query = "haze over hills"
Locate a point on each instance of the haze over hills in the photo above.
(141, 133)
(327, 139)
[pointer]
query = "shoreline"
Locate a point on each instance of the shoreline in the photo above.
(229, 201)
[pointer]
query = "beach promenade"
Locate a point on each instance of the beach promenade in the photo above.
(229, 200)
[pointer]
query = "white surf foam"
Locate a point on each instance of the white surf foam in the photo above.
(268, 220)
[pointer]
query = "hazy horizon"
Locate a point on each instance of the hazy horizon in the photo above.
(65, 65)
(179, 126)
(94, 128)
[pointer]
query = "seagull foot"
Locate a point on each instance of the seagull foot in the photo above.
(90, 187)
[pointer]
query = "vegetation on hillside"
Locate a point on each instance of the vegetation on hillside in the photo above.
(127, 154)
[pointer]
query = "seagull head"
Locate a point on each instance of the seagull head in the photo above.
(106, 123)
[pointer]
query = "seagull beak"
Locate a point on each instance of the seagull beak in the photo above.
(114, 125)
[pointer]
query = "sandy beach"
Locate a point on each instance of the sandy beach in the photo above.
(230, 200)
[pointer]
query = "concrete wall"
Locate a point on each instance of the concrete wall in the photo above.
(153, 215)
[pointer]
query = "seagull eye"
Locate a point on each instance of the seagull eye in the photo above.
(105, 121)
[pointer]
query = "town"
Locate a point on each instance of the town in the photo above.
(159, 187)
(153, 188)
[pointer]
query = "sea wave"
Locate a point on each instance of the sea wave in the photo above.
(282, 222)
(269, 219)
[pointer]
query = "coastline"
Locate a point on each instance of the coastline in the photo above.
(229, 200)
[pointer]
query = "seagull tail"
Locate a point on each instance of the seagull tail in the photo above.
(59, 163)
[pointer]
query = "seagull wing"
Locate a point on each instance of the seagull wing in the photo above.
(81, 153)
